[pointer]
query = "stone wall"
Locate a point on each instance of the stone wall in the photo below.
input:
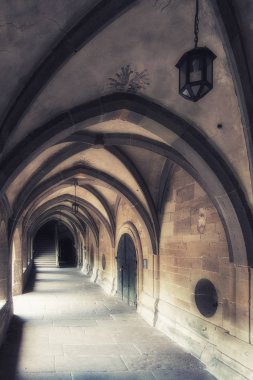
(106, 277)
(193, 246)
(90, 258)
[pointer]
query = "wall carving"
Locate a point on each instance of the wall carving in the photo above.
(201, 226)
(128, 79)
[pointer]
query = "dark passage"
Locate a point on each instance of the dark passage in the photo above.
(54, 246)
(66, 247)
(44, 246)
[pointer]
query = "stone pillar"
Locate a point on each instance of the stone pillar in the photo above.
(156, 277)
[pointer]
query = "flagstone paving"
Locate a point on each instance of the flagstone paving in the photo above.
(67, 328)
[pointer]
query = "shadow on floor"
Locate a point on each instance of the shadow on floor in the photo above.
(29, 287)
(10, 350)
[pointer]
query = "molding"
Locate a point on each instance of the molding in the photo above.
(164, 186)
(101, 176)
(79, 221)
(206, 164)
(83, 205)
(130, 229)
(47, 167)
(104, 203)
(140, 180)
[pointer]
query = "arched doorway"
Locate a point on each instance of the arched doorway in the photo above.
(44, 246)
(67, 256)
(127, 270)
(54, 245)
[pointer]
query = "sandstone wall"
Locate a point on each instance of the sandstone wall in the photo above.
(193, 246)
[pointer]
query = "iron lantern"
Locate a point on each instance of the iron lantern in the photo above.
(75, 208)
(196, 68)
(196, 73)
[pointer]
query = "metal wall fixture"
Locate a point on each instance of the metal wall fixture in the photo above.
(196, 68)
(75, 204)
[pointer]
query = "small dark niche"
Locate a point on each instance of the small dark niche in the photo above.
(206, 297)
(103, 262)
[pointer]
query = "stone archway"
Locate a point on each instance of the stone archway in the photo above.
(129, 229)
(55, 244)
(182, 143)
(127, 270)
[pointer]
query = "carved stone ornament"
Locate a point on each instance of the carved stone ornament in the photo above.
(201, 227)
(128, 79)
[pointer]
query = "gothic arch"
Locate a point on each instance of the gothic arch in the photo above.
(130, 229)
(208, 167)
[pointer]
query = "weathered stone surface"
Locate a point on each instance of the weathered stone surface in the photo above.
(118, 344)
(143, 159)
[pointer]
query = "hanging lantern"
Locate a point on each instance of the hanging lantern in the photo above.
(75, 204)
(196, 69)
(75, 207)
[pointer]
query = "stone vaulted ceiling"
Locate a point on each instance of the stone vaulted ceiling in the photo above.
(83, 83)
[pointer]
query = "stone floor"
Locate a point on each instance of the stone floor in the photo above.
(67, 328)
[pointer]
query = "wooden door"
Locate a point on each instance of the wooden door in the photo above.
(127, 270)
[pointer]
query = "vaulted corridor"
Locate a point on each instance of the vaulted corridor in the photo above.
(126, 180)
(67, 328)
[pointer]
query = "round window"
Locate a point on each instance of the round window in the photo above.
(206, 297)
(103, 262)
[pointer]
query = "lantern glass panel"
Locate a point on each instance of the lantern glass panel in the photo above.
(196, 68)
(186, 93)
(195, 89)
(182, 75)
(75, 208)
(204, 91)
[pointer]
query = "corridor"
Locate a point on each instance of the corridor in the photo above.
(67, 328)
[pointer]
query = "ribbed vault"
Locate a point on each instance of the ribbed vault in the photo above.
(92, 116)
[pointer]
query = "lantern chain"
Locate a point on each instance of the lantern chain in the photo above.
(196, 24)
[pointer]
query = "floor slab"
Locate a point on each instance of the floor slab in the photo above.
(67, 328)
